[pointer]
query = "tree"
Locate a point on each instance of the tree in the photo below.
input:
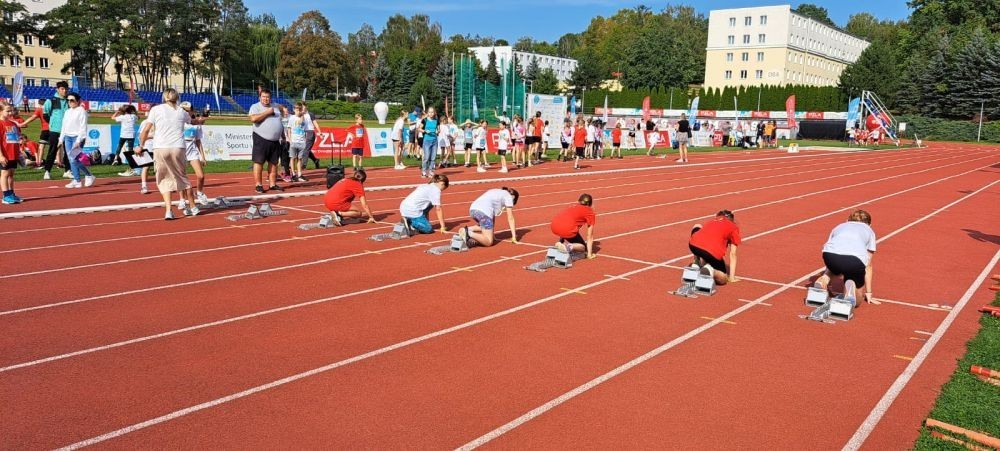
(265, 38)
(975, 78)
(546, 83)
(227, 39)
(532, 71)
(817, 13)
(405, 79)
(311, 54)
(588, 73)
(492, 72)
(875, 70)
(86, 30)
(442, 76)
(362, 46)
(424, 86)
(381, 85)
(23, 23)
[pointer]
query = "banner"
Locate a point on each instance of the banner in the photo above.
(572, 108)
(227, 142)
(553, 109)
(98, 137)
(790, 111)
(645, 109)
(605, 118)
(475, 109)
(18, 93)
(853, 112)
(694, 108)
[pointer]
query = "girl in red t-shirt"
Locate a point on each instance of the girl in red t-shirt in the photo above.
(567, 224)
(338, 199)
(616, 140)
(579, 142)
(10, 152)
(711, 243)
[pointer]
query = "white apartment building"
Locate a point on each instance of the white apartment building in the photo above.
(563, 67)
(39, 63)
(773, 45)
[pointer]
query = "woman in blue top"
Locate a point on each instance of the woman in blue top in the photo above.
(429, 127)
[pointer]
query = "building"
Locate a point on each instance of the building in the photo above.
(563, 67)
(773, 45)
(40, 64)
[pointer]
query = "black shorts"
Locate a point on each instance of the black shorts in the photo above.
(420, 142)
(565, 146)
(532, 140)
(265, 151)
(631, 134)
(357, 152)
(579, 152)
(616, 144)
(849, 266)
(577, 239)
(705, 256)
(501, 152)
(43, 137)
(468, 146)
(11, 165)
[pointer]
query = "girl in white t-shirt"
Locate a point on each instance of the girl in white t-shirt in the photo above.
(467, 141)
(484, 211)
(397, 141)
(848, 253)
(566, 139)
(195, 154)
(503, 143)
(519, 133)
(127, 118)
(479, 141)
(416, 207)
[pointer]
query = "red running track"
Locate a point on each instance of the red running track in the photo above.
(133, 332)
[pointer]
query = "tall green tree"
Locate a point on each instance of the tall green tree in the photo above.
(532, 70)
(588, 73)
(975, 77)
(442, 76)
(406, 77)
(492, 70)
(265, 38)
(362, 53)
(815, 12)
(22, 23)
(311, 54)
(546, 83)
(876, 70)
(226, 41)
(381, 85)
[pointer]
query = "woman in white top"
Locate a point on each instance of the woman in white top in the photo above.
(397, 141)
(416, 207)
(484, 211)
(848, 253)
(169, 153)
(195, 155)
(74, 133)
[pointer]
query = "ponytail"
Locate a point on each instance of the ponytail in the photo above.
(861, 216)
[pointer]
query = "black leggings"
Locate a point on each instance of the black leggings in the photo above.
(50, 157)
(123, 142)
(849, 266)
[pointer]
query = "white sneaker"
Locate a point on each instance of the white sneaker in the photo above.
(47, 176)
(481, 169)
(67, 175)
(89, 180)
(502, 170)
(182, 205)
(127, 173)
(201, 198)
(144, 189)
(679, 160)
(193, 211)
(74, 184)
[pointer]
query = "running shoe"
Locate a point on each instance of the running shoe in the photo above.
(337, 219)
(9, 199)
(480, 169)
(169, 216)
(201, 198)
(144, 189)
(503, 170)
(193, 211)
(89, 180)
(286, 178)
(182, 205)
(303, 179)
(275, 188)
(259, 189)
(849, 289)
(17, 198)
(47, 176)
(127, 173)
(67, 175)
(707, 270)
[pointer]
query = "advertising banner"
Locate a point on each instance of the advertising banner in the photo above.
(553, 110)
(227, 142)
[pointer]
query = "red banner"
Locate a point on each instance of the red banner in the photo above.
(814, 115)
(645, 109)
(760, 114)
(706, 113)
(717, 138)
(790, 111)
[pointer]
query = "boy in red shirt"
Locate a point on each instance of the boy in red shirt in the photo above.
(43, 137)
(566, 225)
(579, 142)
(10, 152)
(616, 140)
(710, 244)
(338, 199)
(357, 138)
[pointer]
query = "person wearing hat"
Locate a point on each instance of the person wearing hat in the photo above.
(467, 140)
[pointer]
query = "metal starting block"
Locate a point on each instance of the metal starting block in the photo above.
(554, 258)
(694, 283)
(325, 221)
(258, 212)
(399, 232)
(457, 245)
(221, 202)
(827, 308)
(816, 296)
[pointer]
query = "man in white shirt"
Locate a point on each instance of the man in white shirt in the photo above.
(267, 131)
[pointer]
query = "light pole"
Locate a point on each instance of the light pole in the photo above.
(583, 102)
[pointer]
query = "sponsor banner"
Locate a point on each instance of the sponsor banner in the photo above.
(760, 114)
(790, 111)
(379, 142)
(553, 110)
(98, 138)
(717, 138)
(227, 142)
(706, 113)
(814, 115)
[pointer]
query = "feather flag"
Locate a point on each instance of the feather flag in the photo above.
(304, 94)
(18, 94)
(790, 111)
(218, 104)
(605, 119)
(475, 108)
(694, 108)
(645, 109)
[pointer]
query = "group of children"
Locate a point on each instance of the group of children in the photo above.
(858, 136)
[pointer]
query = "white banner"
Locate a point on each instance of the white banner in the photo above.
(227, 142)
(98, 138)
(379, 142)
(553, 110)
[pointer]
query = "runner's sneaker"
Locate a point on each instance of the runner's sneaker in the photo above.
(9, 199)
(849, 289)
(464, 233)
(193, 211)
(286, 178)
(707, 270)
(480, 169)
(67, 175)
(259, 189)
(303, 179)
(144, 189)
(169, 216)
(201, 198)
(182, 205)
(47, 176)
(503, 170)
(17, 198)
(275, 188)
(127, 173)
(89, 180)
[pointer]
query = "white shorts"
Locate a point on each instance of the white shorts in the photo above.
(191, 153)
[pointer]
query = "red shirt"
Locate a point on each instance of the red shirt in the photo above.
(539, 126)
(715, 236)
(580, 137)
(341, 194)
(359, 136)
(40, 114)
(10, 140)
(567, 223)
(616, 135)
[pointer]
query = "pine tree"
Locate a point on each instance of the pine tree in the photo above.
(990, 83)
(492, 73)
(406, 76)
(967, 85)
(532, 71)
(381, 85)
(442, 76)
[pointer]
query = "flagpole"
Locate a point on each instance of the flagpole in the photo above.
(979, 135)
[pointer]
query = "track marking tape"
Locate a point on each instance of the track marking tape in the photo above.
(748, 301)
(461, 269)
(573, 290)
(922, 332)
(918, 339)
(709, 318)
(903, 357)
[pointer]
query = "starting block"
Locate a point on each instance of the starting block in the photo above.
(555, 258)
(793, 148)
(827, 308)
(258, 212)
(325, 222)
(816, 297)
(694, 283)
(399, 232)
(221, 202)
(457, 245)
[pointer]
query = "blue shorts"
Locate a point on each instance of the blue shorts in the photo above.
(422, 224)
(357, 151)
(485, 221)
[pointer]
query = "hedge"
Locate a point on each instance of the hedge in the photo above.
(949, 130)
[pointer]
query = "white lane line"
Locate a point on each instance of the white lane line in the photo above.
(534, 413)
(869, 424)
(277, 197)
(302, 375)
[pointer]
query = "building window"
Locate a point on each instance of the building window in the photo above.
(29, 61)
(45, 82)
(28, 40)
(745, 56)
(729, 57)
(748, 21)
(729, 75)
(761, 38)
(43, 63)
(763, 20)
(732, 21)
(732, 40)
(743, 74)
(746, 39)
(29, 82)
(791, 57)
(759, 74)
(760, 56)
(15, 61)
(42, 42)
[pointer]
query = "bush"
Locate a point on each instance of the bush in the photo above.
(949, 130)
(339, 109)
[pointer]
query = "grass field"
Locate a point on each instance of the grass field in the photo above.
(966, 401)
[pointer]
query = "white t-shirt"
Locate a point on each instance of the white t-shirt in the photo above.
(591, 131)
(192, 133)
(480, 137)
(503, 138)
(424, 196)
(297, 129)
(397, 130)
(307, 121)
(152, 133)
(852, 238)
(75, 122)
(169, 123)
(493, 202)
(128, 125)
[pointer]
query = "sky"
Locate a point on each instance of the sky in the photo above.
(543, 20)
